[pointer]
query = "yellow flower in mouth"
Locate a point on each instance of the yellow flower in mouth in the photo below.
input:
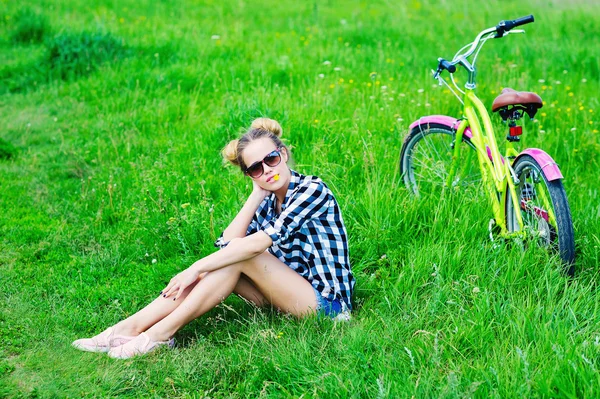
(276, 177)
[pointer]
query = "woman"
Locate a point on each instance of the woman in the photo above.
(286, 247)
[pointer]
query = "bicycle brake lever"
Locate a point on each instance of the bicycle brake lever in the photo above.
(438, 77)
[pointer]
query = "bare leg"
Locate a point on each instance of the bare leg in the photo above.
(278, 284)
(247, 290)
(154, 312)
(158, 309)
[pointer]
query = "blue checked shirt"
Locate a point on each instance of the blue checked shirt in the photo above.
(308, 235)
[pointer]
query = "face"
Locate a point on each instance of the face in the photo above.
(260, 155)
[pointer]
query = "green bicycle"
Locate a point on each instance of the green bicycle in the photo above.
(524, 189)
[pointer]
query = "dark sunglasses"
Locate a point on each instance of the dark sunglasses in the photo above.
(256, 169)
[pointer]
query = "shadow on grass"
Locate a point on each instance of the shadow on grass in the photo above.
(67, 56)
(225, 321)
(7, 150)
(235, 319)
(30, 27)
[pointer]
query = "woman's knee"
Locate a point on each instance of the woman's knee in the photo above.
(256, 263)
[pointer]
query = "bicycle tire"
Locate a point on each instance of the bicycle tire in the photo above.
(559, 238)
(426, 157)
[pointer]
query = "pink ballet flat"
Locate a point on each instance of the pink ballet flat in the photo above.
(102, 342)
(141, 345)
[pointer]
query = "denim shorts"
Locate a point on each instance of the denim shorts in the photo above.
(326, 307)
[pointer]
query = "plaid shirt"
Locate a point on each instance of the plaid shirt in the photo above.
(308, 235)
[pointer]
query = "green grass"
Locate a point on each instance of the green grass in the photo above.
(113, 115)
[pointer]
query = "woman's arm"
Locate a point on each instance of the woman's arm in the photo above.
(310, 201)
(238, 250)
(239, 225)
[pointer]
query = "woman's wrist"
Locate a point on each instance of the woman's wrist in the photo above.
(256, 198)
(197, 266)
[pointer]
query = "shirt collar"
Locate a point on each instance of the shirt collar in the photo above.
(295, 179)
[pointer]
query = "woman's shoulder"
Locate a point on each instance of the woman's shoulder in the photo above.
(311, 185)
(303, 181)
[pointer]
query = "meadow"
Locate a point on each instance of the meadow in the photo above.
(112, 117)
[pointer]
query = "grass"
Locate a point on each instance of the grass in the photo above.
(113, 116)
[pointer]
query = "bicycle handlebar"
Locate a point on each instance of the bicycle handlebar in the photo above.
(447, 65)
(501, 30)
(505, 26)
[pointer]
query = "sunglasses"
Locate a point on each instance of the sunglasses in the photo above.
(257, 169)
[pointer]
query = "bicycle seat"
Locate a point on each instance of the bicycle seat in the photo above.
(529, 101)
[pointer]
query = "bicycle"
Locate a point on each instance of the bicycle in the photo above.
(524, 189)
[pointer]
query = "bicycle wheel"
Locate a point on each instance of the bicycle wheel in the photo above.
(544, 209)
(426, 157)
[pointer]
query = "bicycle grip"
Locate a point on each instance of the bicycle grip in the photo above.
(523, 20)
(505, 26)
(446, 65)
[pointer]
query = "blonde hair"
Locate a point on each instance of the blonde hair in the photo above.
(260, 128)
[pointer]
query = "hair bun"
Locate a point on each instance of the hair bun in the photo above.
(268, 124)
(230, 153)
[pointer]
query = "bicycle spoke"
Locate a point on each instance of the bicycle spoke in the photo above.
(427, 159)
(544, 222)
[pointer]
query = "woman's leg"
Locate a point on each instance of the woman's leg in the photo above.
(158, 309)
(154, 312)
(247, 290)
(276, 282)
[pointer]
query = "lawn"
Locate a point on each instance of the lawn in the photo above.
(112, 117)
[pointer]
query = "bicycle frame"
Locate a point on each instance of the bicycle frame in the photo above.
(496, 170)
(496, 174)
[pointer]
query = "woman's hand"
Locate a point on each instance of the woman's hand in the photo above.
(180, 282)
(259, 192)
